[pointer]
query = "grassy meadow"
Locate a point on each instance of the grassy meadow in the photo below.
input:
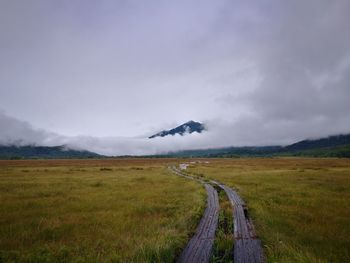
(300, 207)
(135, 210)
(95, 211)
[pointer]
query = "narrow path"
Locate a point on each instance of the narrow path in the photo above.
(247, 247)
(200, 246)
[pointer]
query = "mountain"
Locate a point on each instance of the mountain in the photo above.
(188, 127)
(45, 152)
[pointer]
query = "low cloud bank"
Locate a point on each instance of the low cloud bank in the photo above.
(17, 132)
(242, 132)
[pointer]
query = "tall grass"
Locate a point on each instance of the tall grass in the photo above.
(300, 207)
(95, 214)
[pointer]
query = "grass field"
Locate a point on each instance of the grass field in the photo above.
(135, 210)
(95, 211)
(300, 207)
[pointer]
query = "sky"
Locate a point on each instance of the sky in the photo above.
(104, 75)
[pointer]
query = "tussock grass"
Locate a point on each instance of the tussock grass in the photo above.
(106, 212)
(300, 207)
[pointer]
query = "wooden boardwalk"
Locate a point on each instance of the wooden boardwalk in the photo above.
(199, 248)
(247, 247)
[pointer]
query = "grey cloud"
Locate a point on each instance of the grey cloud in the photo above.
(103, 73)
(16, 132)
(301, 59)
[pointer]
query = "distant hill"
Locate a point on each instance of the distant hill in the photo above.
(332, 146)
(331, 141)
(45, 152)
(341, 151)
(188, 127)
(228, 152)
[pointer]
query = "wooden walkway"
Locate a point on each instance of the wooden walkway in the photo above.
(200, 246)
(247, 247)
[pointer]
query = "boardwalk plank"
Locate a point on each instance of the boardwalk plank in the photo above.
(199, 248)
(247, 248)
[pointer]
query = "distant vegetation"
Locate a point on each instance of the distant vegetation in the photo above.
(333, 146)
(43, 152)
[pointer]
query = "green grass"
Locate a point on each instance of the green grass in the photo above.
(223, 243)
(95, 214)
(300, 207)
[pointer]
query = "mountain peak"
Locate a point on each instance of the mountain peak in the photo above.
(188, 127)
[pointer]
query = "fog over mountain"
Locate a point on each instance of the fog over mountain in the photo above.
(105, 75)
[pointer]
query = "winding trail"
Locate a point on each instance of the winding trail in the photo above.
(247, 247)
(200, 246)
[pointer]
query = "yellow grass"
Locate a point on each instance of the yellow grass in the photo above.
(95, 211)
(134, 210)
(300, 206)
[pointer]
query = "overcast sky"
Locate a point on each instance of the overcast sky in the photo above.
(103, 75)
